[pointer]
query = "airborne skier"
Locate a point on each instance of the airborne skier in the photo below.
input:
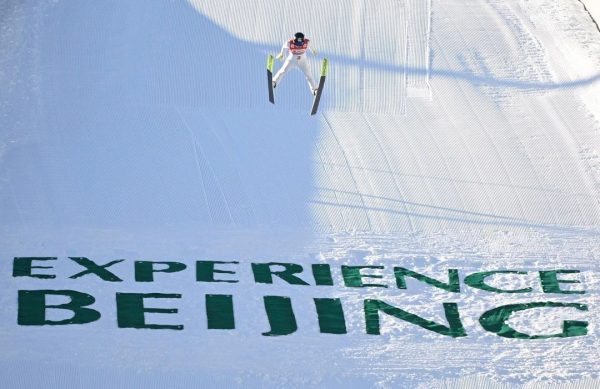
(296, 48)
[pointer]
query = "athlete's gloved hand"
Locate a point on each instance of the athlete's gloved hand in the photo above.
(280, 56)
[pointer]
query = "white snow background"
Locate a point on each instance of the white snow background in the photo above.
(452, 134)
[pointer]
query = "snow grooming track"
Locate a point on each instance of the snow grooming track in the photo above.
(349, 202)
(418, 58)
(453, 134)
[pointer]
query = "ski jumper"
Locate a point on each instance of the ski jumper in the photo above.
(296, 58)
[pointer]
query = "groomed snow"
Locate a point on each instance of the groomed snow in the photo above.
(452, 134)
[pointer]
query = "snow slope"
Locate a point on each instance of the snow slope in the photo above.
(452, 134)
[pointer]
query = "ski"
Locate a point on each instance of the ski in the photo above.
(324, 69)
(270, 62)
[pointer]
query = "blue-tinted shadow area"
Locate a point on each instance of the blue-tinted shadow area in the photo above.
(149, 117)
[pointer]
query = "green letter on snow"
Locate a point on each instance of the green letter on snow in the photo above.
(205, 271)
(495, 320)
(453, 284)
(372, 308)
(281, 316)
(131, 309)
(322, 274)
(551, 283)
(477, 280)
(353, 277)
(330, 315)
(99, 270)
(144, 270)
(22, 267)
(219, 312)
(264, 275)
(32, 307)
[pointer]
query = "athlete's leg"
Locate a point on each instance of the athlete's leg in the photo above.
(287, 65)
(305, 67)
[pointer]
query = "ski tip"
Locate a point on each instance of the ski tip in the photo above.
(270, 62)
(324, 67)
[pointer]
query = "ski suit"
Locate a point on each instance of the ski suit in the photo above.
(296, 58)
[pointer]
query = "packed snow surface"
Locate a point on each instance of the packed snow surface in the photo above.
(452, 134)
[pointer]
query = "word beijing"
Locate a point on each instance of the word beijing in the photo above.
(131, 308)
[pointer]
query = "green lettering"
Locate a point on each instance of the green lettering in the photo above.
(495, 320)
(219, 312)
(551, 283)
(477, 280)
(322, 274)
(264, 275)
(94, 268)
(331, 316)
(131, 309)
(281, 316)
(372, 308)
(144, 270)
(22, 267)
(353, 277)
(32, 307)
(205, 271)
(453, 284)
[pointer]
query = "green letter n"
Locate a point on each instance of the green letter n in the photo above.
(372, 308)
(453, 284)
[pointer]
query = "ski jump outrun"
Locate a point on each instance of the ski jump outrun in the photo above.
(296, 48)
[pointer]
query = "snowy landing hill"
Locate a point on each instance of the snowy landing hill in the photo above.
(452, 134)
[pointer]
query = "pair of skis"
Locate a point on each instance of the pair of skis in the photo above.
(316, 100)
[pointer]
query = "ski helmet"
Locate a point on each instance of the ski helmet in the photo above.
(299, 37)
